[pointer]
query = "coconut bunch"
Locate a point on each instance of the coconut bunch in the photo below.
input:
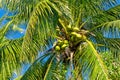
(61, 45)
(76, 34)
(69, 37)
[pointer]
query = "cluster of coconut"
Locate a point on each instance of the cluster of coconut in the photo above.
(72, 36)
(76, 34)
(61, 45)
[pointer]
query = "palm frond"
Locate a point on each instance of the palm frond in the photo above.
(18, 78)
(5, 29)
(107, 19)
(11, 57)
(107, 26)
(114, 47)
(114, 10)
(105, 44)
(81, 10)
(106, 41)
(44, 68)
(41, 26)
(97, 68)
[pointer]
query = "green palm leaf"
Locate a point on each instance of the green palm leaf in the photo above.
(97, 68)
(43, 69)
(11, 57)
(41, 26)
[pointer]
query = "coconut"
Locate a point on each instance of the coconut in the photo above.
(79, 36)
(73, 33)
(57, 29)
(64, 46)
(57, 48)
(65, 41)
(76, 29)
(69, 27)
(76, 34)
(60, 41)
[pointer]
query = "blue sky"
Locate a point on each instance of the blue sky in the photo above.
(11, 34)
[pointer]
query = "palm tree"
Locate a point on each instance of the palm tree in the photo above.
(76, 28)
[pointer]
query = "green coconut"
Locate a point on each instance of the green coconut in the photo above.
(57, 48)
(60, 41)
(79, 36)
(74, 33)
(76, 29)
(69, 27)
(57, 29)
(66, 42)
(64, 46)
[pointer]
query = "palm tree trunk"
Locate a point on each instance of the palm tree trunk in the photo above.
(71, 64)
